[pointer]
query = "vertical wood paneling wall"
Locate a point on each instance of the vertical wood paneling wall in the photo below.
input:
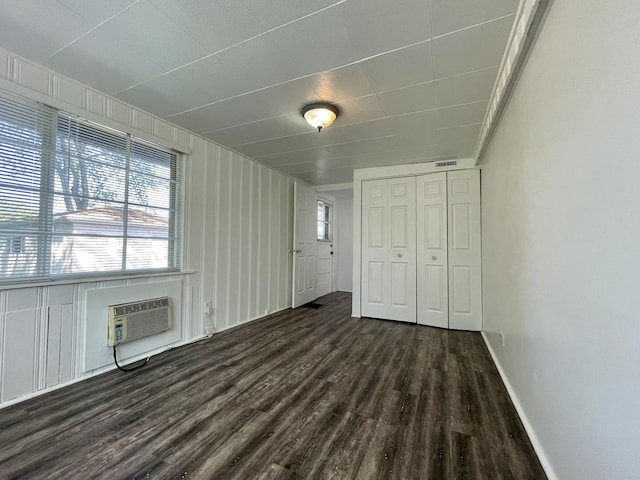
(237, 232)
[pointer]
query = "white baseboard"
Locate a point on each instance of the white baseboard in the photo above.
(253, 319)
(99, 371)
(537, 446)
(128, 361)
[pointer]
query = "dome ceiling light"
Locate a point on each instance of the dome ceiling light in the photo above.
(320, 114)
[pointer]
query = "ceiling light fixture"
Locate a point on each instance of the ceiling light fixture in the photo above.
(320, 114)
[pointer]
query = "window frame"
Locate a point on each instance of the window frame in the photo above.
(42, 271)
(326, 221)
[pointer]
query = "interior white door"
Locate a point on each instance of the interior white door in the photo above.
(305, 202)
(389, 249)
(431, 222)
(324, 269)
(465, 291)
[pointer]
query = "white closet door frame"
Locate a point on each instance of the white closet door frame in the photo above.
(432, 258)
(465, 244)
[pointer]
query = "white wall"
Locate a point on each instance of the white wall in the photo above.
(237, 232)
(344, 246)
(561, 240)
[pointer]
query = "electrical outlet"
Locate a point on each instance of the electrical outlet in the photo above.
(501, 337)
(208, 311)
(208, 308)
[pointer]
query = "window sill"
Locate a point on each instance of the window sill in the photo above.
(89, 279)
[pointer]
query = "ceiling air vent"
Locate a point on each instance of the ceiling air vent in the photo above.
(450, 163)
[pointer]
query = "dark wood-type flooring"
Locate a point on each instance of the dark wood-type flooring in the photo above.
(301, 394)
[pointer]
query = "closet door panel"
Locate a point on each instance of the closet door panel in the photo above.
(435, 296)
(402, 254)
(435, 223)
(375, 277)
(375, 268)
(465, 294)
(400, 269)
(432, 278)
(461, 287)
(461, 227)
(388, 250)
(376, 227)
(399, 279)
(399, 227)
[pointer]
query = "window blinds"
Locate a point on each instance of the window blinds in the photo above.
(79, 198)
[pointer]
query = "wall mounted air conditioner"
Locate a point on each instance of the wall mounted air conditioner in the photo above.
(134, 320)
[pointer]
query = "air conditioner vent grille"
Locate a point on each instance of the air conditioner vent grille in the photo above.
(147, 323)
(134, 320)
(450, 163)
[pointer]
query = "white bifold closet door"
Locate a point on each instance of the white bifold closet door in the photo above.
(432, 263)
(389, 249)
(448, 255)
(465, 276)
(421, 249)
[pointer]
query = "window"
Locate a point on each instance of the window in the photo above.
(324, 220)
(78, 198)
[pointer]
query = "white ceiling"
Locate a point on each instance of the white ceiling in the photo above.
(411, 77)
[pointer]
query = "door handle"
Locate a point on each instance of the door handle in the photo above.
(298, 251)
(399, 255)
(434, 258)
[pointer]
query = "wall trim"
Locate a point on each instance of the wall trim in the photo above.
(529, 18)
(100, 371)
(16, 86)
(128, 361)
(94, 278)
(333, 186)
(406, 170)
(103, 120)
(537, 445)
(231, 327)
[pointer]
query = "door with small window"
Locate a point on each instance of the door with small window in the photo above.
(304, 245)
(324, 270)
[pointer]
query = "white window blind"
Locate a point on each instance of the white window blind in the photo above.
(78, 198)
